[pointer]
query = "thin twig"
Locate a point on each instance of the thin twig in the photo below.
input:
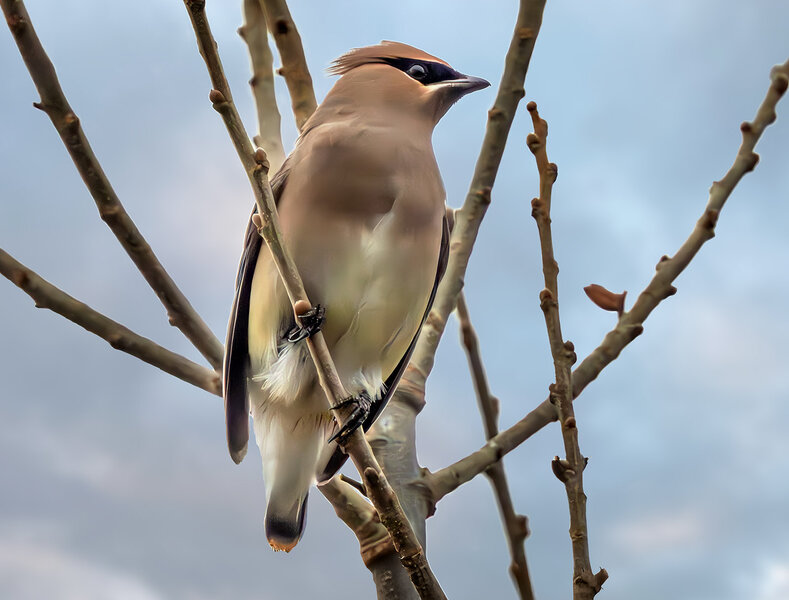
(119, 337)
(516, 526)
(358, 514)
(630, 324)
(54, 104)
(570, 470)
(294, 64)
(255, 34)
(380, 492)
(469, 217)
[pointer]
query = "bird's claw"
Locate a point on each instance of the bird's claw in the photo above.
(361, 408)
(310, 324)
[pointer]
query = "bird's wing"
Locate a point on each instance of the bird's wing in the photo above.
(339, 457)
(236, 363)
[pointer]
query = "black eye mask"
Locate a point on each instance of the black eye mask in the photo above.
(430, 72)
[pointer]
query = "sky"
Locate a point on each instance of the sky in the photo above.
(116, 482)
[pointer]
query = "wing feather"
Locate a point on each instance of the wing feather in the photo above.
(236, 363)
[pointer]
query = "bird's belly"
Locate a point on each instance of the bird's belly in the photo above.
(376, 297)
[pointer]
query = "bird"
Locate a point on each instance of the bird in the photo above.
(362, 210)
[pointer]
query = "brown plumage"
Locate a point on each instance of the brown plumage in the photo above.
(378, 54)
(361, 205)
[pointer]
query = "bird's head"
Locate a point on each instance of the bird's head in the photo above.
(398, 76)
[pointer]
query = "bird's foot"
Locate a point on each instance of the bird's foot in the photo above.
(310, 324)
(361, 408)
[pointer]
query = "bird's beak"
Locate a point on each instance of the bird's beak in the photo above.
(466, 84)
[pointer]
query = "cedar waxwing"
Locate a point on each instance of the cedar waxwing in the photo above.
(361, 204)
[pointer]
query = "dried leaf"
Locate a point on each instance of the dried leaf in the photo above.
(606, 299)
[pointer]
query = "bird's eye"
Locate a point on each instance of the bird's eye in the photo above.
(417, 71)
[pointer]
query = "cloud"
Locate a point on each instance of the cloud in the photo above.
(774, 582)
(661, 532)
(31, 570)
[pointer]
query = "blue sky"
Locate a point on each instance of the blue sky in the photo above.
(116, 481)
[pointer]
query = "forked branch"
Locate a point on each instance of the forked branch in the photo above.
(469, 218)
(255, 34)
(54, 104)
(630, 324)
(119, 337)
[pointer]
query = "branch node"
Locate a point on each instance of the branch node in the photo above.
(534, 143)
(599, 579)
(569, 423)
(531, 106)
(522, 526)
(709, 219)
(537, 206)
(552, 172)
(635, 330)
(281, 26)
(569, 352)
(484, 195)
(300, 307)
(71, 120)
(495, 113)
(561, 468)
(752, 160)
(660, 262)
(257, 221)
(216, 97)
(780, 81)
(262, 159)
(670, 291)
(546, 299)
(20, 279)
(372, 478)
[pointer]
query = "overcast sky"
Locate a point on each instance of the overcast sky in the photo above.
(114, 477)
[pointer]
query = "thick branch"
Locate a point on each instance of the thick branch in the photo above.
(569, 471)
(630, 324)
(255, 34)
(360, 516)
(380, 492)
(294, 64)
(469, 217)
(516, 526)
(54, 104)
(119, 337)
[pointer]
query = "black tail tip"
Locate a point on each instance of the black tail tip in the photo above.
(284, 533)
(238, 453)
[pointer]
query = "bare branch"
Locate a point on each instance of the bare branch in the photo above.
(54, 104)
(469, 217)
(379, 491)
(255, 34)
(294, 64)
(516, 526)
(358, 514)
(119, 337)
(569, 471)
(630, 324)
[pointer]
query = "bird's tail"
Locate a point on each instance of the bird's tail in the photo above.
(285, 520)
(291, 448)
